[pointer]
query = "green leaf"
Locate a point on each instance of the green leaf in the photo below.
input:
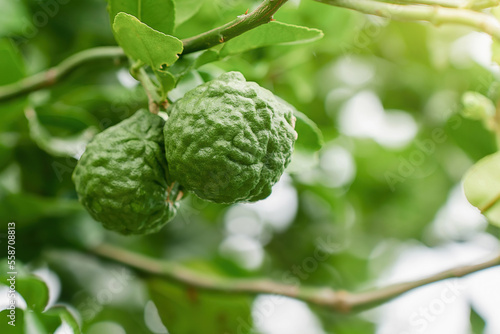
(143, 43)
(185, 9)
(477, 106)
(34, 291)
(15, 18)
(11, 69)
(167, 82)
(70, 146)
(206, 57)
(309, 135)
(19, 327)
(471, 136)
(482, 187)
(158, 14)
(216, 313)
(270, 34)
(14, 207)
(477, 323)
(309, 142)
(66, 315)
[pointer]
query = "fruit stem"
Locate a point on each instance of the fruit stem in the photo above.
(139, 73)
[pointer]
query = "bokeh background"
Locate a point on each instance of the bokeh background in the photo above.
(383, 197)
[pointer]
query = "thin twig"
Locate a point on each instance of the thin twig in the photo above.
(262, 14)
(243, 23)
(57, 73)
(471, 4)
(339, 301)
(434, 14)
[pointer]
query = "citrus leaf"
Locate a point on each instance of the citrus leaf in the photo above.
(477, 106)
(222, 313)
(15, 18)
(18, 321)
(66, 316)
(13, 207)
(143, 43)
(186, 9)
(270, 34)
(34, 291)
(309, 135)
(482, 187)
(12, 69)
(167, 82)
(158, 14)
(477, 323)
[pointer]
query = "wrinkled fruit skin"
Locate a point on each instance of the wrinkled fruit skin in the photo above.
(229, 140)
(121, 178)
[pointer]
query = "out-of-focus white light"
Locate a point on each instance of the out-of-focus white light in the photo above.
(364, 116)
(280, 208)
(457, 219)
(5, 301)
(441, 307)
(247, 252)
(244, 221)
(52, 282)
(153, 320)
(125, 79)
(354, 71)
(474, 47)
(338, 165)
(107, 327)
(283, 315)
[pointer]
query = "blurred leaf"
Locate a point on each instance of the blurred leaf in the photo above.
(482, 187)
(19, 327)
(25, 209)
(270, 34)
(70, 146)
(206, 57)
(309, 135)
(11, 69)
(167, 82)
(309, 142)
(158, 14)
(185, 9)
(215, 312)
(66, 315)
(143, 43)
(477, 106)
(302, 160)
(15, 18)
(471, 136)
(477, 323)
(34, 291)
(11, 66)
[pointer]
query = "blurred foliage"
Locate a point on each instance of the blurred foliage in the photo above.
(410, 67)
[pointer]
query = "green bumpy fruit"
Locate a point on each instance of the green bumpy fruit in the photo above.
(229, 140)
(122, 177)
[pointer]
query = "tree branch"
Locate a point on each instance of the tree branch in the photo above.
(243, 23)
(55, 74)
(434, 14)
(262, 14)
(471, 4)
(339, 301)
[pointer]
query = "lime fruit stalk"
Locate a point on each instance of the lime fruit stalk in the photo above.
(122, 177)
(229, 140)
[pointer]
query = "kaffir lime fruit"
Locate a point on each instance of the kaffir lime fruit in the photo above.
(122, 177)
(229, 140)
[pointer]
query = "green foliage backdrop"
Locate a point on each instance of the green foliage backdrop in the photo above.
(399, 135)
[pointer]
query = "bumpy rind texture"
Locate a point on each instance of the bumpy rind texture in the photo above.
(121, 178)
(229, 140)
